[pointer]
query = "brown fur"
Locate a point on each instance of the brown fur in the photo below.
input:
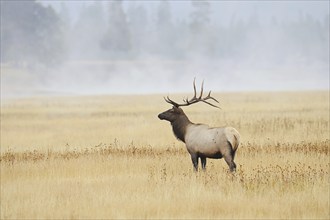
(180, 127)
(179, 121)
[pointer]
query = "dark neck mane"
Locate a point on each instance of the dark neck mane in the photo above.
(179, 127)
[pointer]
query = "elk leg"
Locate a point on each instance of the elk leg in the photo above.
(233, 154)
(229, 160)
(203, 160)
(194, 160)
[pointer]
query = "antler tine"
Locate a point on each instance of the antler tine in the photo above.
(210, 104)
(195, 92)
(168, 100)
(194, 85)
(210, 97)
(202, 87)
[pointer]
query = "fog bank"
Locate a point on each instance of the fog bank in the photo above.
(124, 47)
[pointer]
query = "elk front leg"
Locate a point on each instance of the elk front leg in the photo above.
(203, 160)
(194, 159)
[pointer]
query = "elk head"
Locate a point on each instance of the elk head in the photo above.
(176, 112)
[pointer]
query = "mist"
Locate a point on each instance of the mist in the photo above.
(142, 47)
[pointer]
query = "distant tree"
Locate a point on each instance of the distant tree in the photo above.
(165, 34)
(117, 39)
(64, 14)
(138, 29)
(88, 31)
(66, 27)
(235, 37)
(164, 15)
(200, 29)
(274, 21)
(306, 40)
(200, 16)
(253, 21)
(325, 39)
(31, 34)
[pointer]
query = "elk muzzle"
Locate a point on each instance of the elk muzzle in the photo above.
(161, 116)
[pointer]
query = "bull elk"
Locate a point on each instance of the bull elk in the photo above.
(201, 140)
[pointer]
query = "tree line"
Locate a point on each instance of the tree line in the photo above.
(34, 34)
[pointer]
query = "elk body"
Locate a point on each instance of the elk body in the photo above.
(201, 140)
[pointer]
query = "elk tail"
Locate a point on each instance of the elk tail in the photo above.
(233, 139)
(236, 142)
(234, 145)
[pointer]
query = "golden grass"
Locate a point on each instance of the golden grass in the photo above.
(111, 157)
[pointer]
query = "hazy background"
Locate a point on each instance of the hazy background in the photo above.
(111, 47)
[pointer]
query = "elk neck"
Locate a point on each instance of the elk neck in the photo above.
(179, 127)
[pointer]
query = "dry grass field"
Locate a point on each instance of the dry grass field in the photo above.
(110, 157)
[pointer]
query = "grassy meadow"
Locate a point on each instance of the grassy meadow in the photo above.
(105, 157)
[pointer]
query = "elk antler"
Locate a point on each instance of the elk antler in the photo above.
(194, 99)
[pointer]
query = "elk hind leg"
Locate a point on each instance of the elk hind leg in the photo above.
(229, 158)
(194, 159)
(203, 160)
